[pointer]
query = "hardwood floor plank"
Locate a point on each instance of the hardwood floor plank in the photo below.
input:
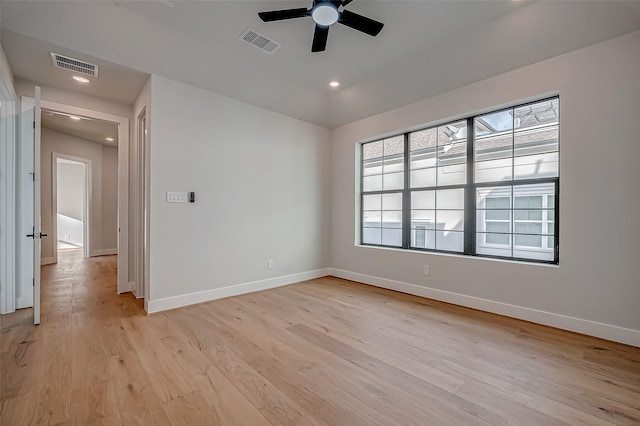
(322, 352)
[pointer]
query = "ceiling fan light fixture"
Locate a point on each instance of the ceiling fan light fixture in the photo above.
(325, 14)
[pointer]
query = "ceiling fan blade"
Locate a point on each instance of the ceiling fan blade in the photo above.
(360, 23)
(280, 15)
(320, 39)
(344, 2)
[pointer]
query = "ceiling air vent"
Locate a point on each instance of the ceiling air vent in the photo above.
(75, 65)
(258, 40)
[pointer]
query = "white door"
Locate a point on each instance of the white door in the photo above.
(28, 289)
(36, 208)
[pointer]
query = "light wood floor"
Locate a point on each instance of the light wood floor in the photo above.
(323, 352)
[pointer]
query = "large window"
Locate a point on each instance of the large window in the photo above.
(483, 186)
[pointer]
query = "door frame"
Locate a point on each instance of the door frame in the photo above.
(123, 183)
(86, 204)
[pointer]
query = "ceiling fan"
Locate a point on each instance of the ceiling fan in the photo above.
(326, 13)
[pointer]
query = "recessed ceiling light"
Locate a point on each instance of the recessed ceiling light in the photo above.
(110, 139)
(73, 117)
(334, 83)
(80, 79)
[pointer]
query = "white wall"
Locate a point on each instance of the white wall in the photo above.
(71, 189)
(8, 126)
(261, 181)
(103, 218)
(597, 279)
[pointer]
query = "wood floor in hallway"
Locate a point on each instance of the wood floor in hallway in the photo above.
(322, 352)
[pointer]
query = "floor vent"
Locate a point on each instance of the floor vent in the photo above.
(258, 40)
(75, 65)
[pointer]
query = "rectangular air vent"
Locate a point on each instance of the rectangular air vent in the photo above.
(75, 65)
(258, 40)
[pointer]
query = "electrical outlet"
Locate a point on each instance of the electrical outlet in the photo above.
(67, 236)
(425, 269)
(270, 264)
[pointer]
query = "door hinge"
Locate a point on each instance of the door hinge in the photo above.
(34, 124)
(34, 282)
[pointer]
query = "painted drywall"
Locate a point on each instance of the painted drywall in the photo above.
(597, 279)
(109, 197)
(70, 207)
(261, 182)
(71, 189)
(101, 218)
(8, 126)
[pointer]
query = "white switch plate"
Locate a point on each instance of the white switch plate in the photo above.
(270, 264)
(177, 197)
(425, 269)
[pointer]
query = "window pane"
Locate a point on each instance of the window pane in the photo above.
(452, 175)
(528, 202)
(393, 181)
(372, 183)
(372, 219)
(528, 240)
(536, 140)
(551, 214)
(536, 166)
(493, 170)
(497, 215)
(371, 235)
(372, 150)
(551, 201)
(393, 164)
(424, 218)
(392, 201)
(423, 178)
(494, 147)
(450, 220)
(539, 113)
(501, 239)
(498, 202)
(394, 146)
(392, 237)
(550, 242)
(494, 122)
(450, 240)
(527, 228)
(423, 238)
(371, 202)
(372, 167)
(423, 200)
(450, 198)
(423, 158)
(452, 154)
(499, 227)
(452, 133)
(392, 219)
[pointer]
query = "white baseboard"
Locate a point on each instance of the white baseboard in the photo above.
(104, 252)
(47, 261)
(219, 293)
(578, 325)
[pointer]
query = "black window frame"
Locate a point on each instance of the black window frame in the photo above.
(470, 189)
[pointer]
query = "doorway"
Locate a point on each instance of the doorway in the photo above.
(71, 199)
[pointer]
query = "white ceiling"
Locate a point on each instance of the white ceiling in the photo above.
(425, 48)
(86, 128)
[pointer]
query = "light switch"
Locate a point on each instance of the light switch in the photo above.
(177, 197)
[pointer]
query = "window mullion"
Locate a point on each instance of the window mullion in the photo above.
(469, 201)
(406, 198)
